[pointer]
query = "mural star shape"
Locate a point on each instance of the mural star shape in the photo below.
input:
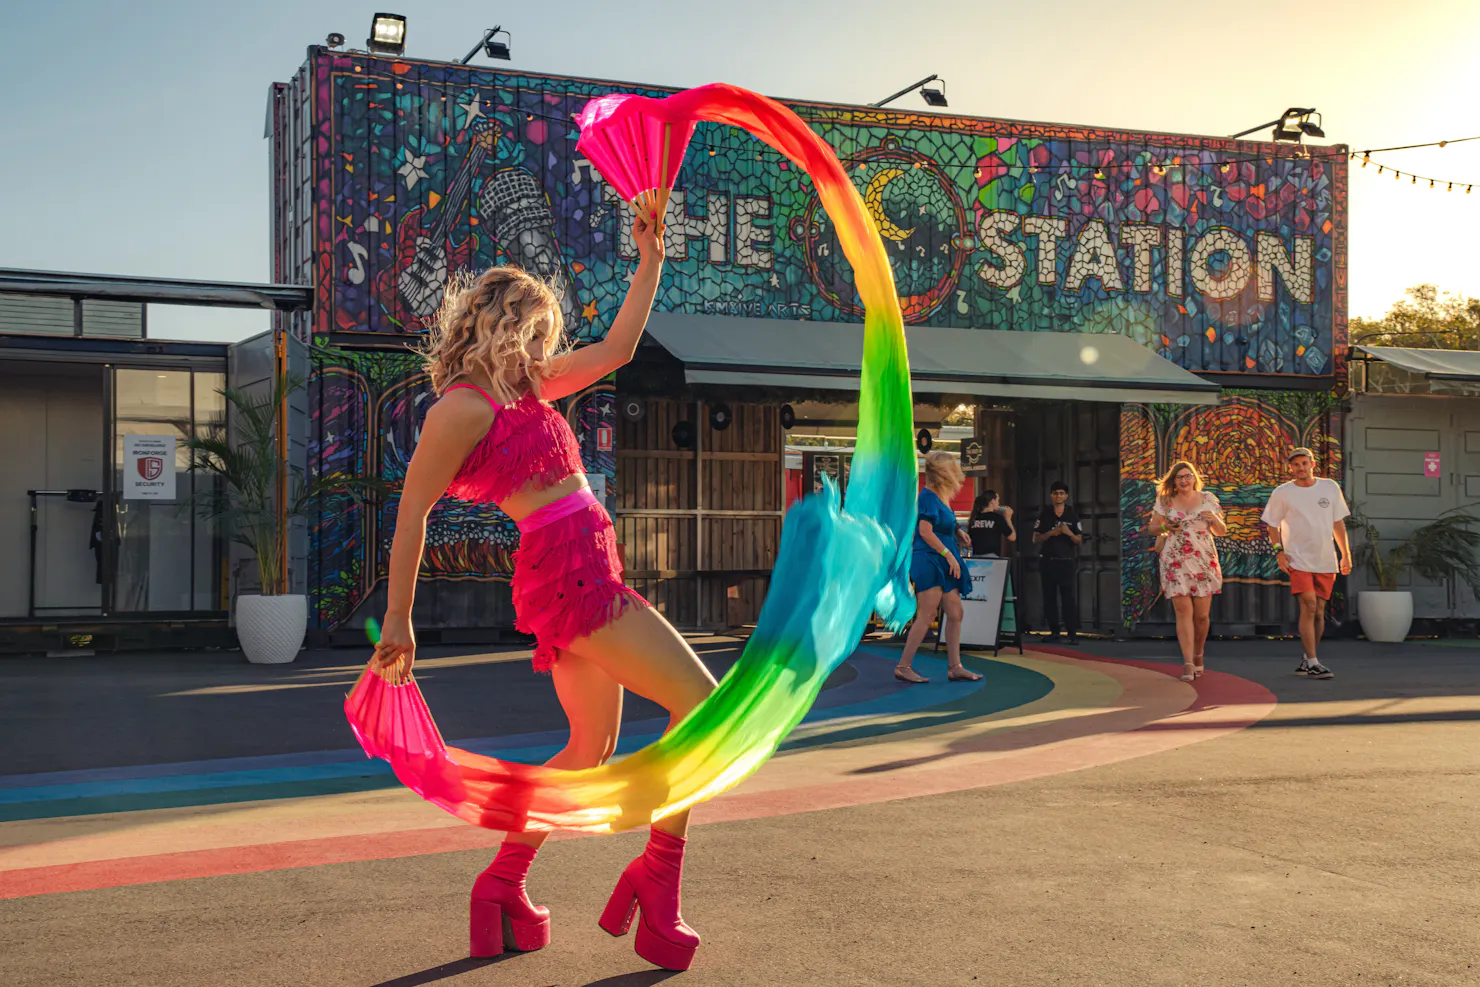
(414, 170)
(472, 110)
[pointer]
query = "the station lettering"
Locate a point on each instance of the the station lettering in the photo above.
(1219, 264)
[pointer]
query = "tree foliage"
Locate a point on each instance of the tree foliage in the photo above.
(1426, 318)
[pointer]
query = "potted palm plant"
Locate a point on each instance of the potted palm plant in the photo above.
(1445, 548)
(250, 470)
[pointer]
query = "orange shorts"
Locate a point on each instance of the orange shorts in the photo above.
(1321, 583)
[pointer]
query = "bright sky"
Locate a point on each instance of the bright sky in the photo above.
(133, 144)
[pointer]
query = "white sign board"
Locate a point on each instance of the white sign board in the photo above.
(148, 467)
(981, 608)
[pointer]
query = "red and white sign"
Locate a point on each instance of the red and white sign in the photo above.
(148, 467)
(1431, 464)
(603, 438)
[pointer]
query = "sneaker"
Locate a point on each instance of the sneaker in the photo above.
(1319, 671)
(1304, 667)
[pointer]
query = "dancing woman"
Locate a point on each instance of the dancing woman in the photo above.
(936, 569)
(496, 360)
(1190, 575)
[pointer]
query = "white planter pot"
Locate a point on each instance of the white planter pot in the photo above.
(271, 628)
(1385, 616)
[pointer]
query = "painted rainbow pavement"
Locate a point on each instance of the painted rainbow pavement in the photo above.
(867, 741)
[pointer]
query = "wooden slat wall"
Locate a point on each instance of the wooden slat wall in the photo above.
(724, 556)
(673, 598)
(653, 544)
(994, 431)
(723, 610)
(743, 463)
(651, 473)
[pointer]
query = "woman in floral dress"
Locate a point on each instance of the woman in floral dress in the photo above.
(1189, 517)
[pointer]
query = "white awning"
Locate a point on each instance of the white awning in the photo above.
(1061, 366)
(1457, 365)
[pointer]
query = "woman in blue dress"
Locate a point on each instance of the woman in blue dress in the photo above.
(936, 569)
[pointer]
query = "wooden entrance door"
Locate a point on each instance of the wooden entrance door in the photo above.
(1077, 442)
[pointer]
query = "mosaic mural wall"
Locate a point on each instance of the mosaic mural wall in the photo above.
(1219, 255)
(1239, 447)
(366, 408)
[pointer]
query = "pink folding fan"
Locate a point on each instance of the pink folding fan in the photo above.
(637, 144)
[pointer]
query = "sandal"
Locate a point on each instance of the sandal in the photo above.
(1197, 668)
(961, 674)
(909, 675)
(1189, 671)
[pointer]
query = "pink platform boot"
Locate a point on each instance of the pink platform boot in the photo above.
(651, 883)
(501, 916)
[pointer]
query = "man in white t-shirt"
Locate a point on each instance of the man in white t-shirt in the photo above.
(1304, 521)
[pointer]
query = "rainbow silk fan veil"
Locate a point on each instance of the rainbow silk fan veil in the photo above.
(834, 568)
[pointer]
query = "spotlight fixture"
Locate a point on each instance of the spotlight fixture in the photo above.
(387, 34)
(494, 48)
(935, 97)
(334, 40)
(1292, 126)
(491, 45)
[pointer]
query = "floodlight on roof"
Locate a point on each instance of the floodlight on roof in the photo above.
(387, 34)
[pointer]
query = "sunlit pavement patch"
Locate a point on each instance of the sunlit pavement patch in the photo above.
(868, 741)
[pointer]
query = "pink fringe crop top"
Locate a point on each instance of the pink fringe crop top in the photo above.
(528, 442)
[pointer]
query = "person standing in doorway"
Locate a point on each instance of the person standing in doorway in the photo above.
(1304, 521)
(989, 526)
(1057, 534)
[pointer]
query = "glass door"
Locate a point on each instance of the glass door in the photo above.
(167, 558)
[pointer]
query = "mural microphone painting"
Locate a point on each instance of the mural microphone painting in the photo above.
(516, 207)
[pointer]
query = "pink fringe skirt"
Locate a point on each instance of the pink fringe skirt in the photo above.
(567, 577)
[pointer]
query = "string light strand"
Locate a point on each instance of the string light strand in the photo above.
(1434, 183)
(1410, 147)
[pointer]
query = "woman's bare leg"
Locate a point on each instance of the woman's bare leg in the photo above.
(1201, 606)
(592, 701)
(641, 651)
(953, 615)
(926, 603)
(1186, 632)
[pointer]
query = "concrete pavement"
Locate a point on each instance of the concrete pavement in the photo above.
(1075, 822)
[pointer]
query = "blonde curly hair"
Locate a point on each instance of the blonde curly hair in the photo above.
(505, 322)
(943, 470)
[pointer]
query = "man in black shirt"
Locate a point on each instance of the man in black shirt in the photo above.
(1057, 534)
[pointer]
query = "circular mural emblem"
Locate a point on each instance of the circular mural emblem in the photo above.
(919, 215)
